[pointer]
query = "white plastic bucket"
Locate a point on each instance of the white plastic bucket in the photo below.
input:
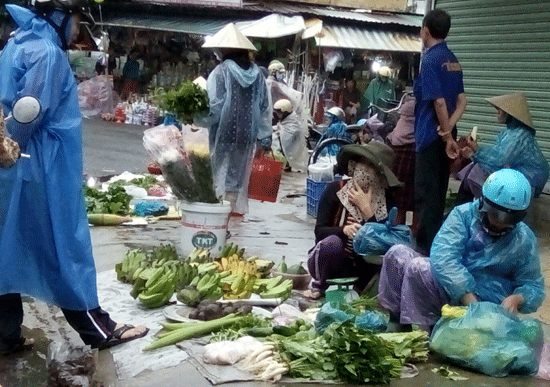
(204, 225)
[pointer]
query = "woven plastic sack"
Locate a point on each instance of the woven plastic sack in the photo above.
(491, 340)
(376, 238)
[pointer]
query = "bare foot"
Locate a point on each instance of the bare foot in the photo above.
(312, 294)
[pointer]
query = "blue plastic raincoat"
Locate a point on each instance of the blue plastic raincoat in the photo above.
(240, 114)
(516, 148)
(336, 129)
(464, 258)
(45, 246)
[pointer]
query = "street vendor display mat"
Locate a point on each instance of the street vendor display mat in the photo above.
(130, 360)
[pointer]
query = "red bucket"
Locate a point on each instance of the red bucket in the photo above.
(265, 178)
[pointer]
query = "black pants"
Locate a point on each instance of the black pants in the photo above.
(430, 190)
(93, 326)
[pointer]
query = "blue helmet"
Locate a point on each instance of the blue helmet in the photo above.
(508, 188)
(506, 196)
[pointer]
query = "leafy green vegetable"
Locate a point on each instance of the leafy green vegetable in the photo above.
(344, 352)
(447, 373)
(186, 101)
(114, 201)
(408, 346)
(142, 182)
(240, 328)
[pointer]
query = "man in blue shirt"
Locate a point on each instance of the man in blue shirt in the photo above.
(440, 102)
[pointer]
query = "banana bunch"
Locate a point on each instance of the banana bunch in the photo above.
(275, 287)
(158, 288)
(234, 264)
(200, 255)
(231, 249)
(238, 286)
(208, 286)
(132, 261)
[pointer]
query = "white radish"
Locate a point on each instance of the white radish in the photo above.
(271, 374)
(264, 355)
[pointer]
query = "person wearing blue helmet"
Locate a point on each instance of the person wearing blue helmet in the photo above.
(483, 252)
(45, 244)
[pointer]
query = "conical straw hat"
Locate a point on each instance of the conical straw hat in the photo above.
(514, 104)
(229, 37)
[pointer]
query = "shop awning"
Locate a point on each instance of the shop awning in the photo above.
(272, 26)
(368, 39)
(184, 24)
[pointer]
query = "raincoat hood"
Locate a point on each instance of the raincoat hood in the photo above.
(245, 77)
(32, 26)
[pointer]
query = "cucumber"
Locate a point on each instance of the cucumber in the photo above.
(260, 332)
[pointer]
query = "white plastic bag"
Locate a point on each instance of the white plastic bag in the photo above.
(229, 352)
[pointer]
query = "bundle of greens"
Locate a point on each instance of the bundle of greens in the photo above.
(186, 101)
(114, 201)
(348, 353)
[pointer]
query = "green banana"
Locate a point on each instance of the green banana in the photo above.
(155, 276)
(226, 249)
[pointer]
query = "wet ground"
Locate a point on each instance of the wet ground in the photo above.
(270, 230)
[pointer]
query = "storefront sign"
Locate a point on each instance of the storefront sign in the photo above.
(208, 3)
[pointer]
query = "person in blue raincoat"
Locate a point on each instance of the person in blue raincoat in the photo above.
(483, 252)
(336, 129)
(240, 114)
(45, 246)
(515, 147)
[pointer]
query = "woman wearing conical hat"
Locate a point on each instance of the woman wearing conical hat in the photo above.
(240, 114)
(515, 148)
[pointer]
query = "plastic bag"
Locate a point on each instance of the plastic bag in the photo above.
(328, 315)
(491, 340)
(371, 321)
(229, 352)
(70, 366)
(96, 96)
(376, 238)
(150, 208)
(544, 365)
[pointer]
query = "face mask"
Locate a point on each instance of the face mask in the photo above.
(490, 229)
(279, 76)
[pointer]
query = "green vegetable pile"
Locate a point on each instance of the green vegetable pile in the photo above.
(114, 201)
(350, 354)
(143, 182)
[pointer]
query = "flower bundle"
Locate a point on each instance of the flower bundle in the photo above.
(189, 174)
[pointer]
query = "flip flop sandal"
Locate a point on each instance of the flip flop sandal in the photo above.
(116, 337)
(22, 346)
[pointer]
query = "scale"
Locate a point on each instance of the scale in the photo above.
(339, 291)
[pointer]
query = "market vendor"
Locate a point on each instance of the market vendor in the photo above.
(483, 252)
(515, 147)
(289, 136)
(45, 246)
(344, 207)
(240, 114)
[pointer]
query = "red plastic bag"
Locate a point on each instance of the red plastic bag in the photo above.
(265, 178)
